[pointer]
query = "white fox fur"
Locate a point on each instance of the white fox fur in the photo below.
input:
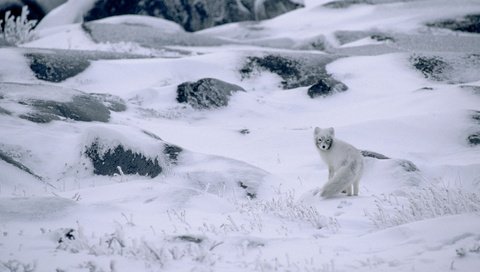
(345, 163)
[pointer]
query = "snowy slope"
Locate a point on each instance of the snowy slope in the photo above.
(235, 185)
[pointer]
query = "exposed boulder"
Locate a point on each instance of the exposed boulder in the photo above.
(469, 23)
(120, 160)
(115, 151)
(149, 37)
(431, 66)
(194, 15)
(112, 102)
(206, 93)
(296, 70)
(56, 68)
(375, 155)
(80, 108)
(58, 65)
(338, 4)
(325, 87)
(406, 165)
(10, 160)
(44, 103)
(474, 139)
(451, 68)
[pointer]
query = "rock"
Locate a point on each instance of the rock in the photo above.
(58, 65)
(431, 66)
(325, 87)
(148, 37)
(112, 102)
(81, 108)
(469, 23)
(8, 159)
(114, 150)
(374, 155)
(56, 68)
(405, 165)
(408, 166)
(206, 93)
(474, 139)
(476, 116)
(344, 3)
(172, 152)
(43, 103)
(194, 15)
(452, 68)
(120, 160)
(296, 70)
(4, 111)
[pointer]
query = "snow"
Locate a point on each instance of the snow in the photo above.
(244, 201)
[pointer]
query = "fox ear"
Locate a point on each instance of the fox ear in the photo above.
(317, 130)
(331, 131)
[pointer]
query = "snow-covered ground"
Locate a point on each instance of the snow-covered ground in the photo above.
(239, 197)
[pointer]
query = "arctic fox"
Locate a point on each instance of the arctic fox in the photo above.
(345, 163)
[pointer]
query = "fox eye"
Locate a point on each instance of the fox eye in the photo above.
(319, 140)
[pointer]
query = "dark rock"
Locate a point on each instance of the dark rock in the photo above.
(120, 160)
(8, 159)
(452, 68)
(81, 108)
(476, 116)
(295, 70)
(343, 3)
(431, 67)
(251, 195)
(149, 37)
(189, 238)
(273, 8)
(374, 155)
(469, 23)
(172, 152)
(4, 111)
(56, 68)
(325, 87)
(193, 15)
(206, 93)
(44, 103)
(56, 65)
(408, 166)
(112, 102)
(244, 131)
(473, 89)
(382, 38)
(474, 139)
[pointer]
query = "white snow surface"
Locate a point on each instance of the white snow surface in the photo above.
(195, 216)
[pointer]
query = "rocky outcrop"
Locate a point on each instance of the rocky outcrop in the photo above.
(325, 87)
(451, 68)
(55, 65)
(44, 103)
(469, 23)
(194, 15)
(120, 160)
(206, 93)
(296, 70)
(112, 102)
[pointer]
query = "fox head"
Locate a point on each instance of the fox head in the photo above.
(324, 138)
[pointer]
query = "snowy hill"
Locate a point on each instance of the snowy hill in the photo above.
(130, 144)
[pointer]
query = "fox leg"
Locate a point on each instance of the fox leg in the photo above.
(331, 172)
(349, 190)
(356, 184)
